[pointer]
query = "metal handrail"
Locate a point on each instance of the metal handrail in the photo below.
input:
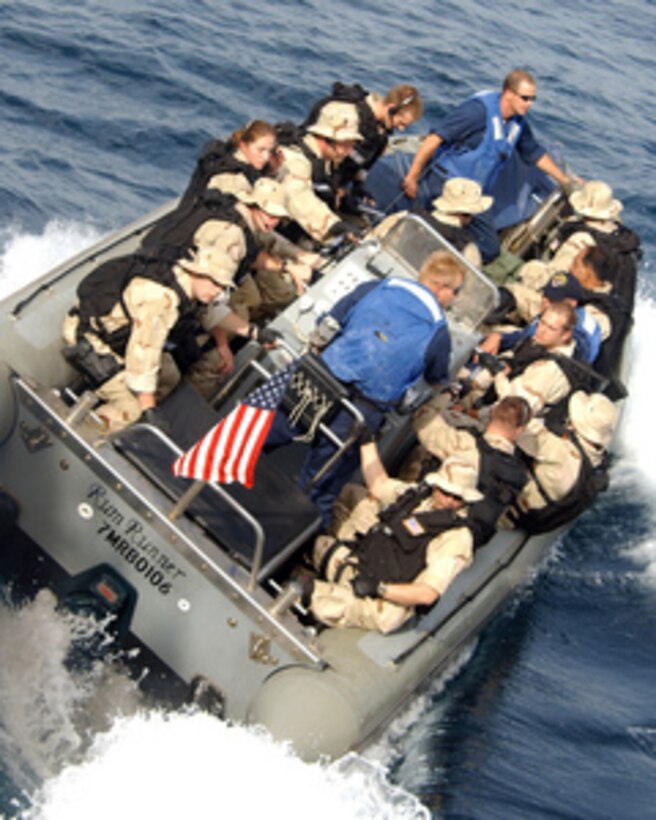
(182, 504)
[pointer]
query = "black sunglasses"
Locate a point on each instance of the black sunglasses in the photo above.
(527, 97)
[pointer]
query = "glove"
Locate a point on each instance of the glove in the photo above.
(365, 587)
(366, 436)
(490, 362)
(155, 419)
(264, 335)
(360, 190)
(342, 228)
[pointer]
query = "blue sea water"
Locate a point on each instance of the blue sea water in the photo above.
(103, 108)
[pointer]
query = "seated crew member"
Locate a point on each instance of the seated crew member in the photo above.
(129, 310)
(596, 216)
(421, 543)
(444, 433)
(588, 334)
(460, 201)
(390, 334)
(537, 369)
(501, 474)
(198, 222)
(378, 117)
(596, 222)
(309, 170)
(568, 464)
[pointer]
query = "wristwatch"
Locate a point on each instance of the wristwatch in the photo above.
(381, 589)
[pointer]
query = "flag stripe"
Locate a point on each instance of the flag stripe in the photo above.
(230, 450)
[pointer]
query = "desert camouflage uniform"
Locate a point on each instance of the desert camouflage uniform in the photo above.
(304, 206)
(232, 182)
(270, 289)
(335, 604)
(574, 244)
(543, 383)
(154, 310)
(557, 464)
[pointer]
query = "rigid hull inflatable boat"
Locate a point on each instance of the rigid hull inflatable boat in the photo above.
(201, 580)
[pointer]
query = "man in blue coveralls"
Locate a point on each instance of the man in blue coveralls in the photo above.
(390, 334)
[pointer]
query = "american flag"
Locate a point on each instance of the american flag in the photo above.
(230, 450)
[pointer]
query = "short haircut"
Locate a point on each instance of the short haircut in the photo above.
(566, 311)
(405, 97)
(517, 76)
(442, 268)
(602, 262)
(513, 411)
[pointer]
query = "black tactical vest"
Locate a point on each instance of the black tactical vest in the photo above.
(216, 157)
(172, 237)
(590, 482)
(394, 550)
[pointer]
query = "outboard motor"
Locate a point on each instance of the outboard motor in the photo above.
(98, 592)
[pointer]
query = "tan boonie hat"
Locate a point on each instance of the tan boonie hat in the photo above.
(337, 121)
(462, 196)
(268, 195)
(456, 477)
(593, 416)
(213, 263)
(535, 274)
(595, 200)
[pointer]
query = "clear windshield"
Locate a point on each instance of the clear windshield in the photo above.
(404, 250)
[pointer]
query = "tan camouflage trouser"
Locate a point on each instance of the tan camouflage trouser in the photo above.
(121, 406)
(335, 604)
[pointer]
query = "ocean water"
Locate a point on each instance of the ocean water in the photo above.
(551, 714)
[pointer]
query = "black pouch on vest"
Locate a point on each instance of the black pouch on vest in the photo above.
(97, 367)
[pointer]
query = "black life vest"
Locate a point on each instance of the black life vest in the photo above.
(590, 482)
(216, 157)
(325, 184)
(103, 288)
(611, 348)
(579, 375)
(395, 551)
(501, 477)
(374, 137)
(456, 235)
(172, 237)
(623, 244)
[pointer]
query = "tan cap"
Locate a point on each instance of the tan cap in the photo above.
(595, 200)
(593, 416)
(462, 196)
(268, 195)
(214, 263)
(456, 477)
(337, 121)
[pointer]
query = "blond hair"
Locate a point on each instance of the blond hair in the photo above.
(443, 269)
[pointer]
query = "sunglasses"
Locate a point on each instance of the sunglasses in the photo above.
(527, 97)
